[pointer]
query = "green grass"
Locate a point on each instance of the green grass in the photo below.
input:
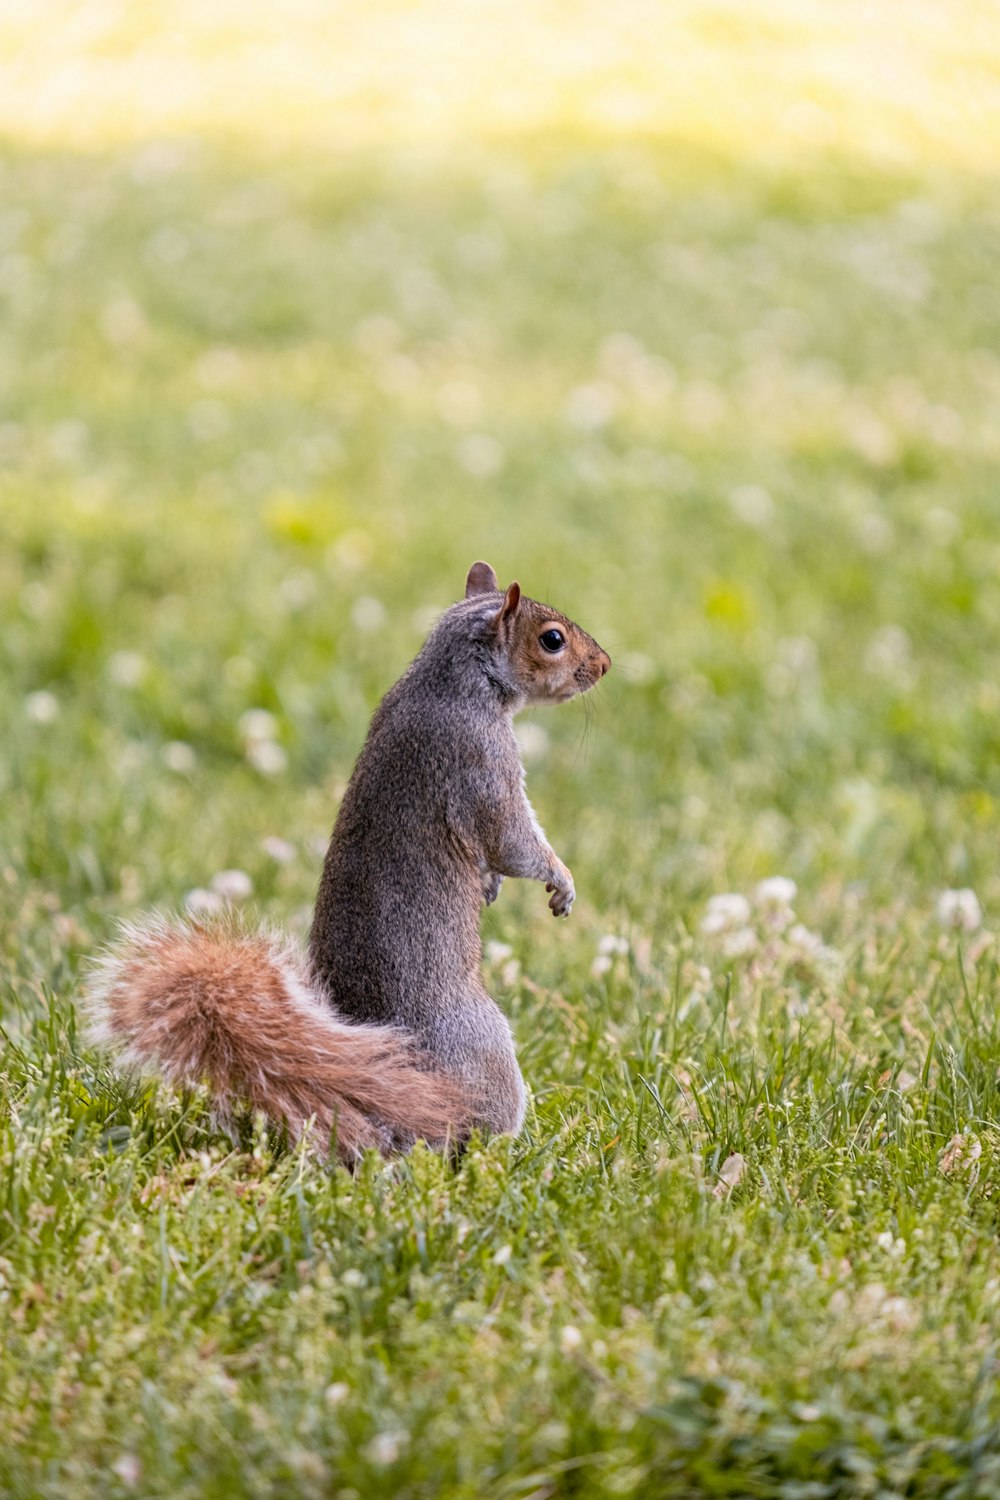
(261, 409)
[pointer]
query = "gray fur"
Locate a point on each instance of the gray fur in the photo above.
(434, 815)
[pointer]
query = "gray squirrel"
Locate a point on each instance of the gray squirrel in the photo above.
(383, 1032)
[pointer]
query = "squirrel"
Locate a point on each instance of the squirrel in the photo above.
(382, 1032)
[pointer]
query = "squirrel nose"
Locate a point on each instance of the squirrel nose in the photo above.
(604, 663)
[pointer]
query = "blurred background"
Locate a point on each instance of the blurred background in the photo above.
(686, 315)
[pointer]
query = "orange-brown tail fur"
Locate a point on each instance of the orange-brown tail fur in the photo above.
(239, 1010)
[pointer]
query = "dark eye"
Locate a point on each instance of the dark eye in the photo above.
(552, 640)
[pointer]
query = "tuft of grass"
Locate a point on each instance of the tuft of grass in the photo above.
(735, 410)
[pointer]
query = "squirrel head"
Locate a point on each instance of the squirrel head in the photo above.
(547, 657)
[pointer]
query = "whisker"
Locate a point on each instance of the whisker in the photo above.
(583, 738)
(584, 735)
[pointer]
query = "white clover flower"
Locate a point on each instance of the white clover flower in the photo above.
(178, 756)
(129, 1470)
(570, 1339)
(724, 912)
(752, 505)
(208, 420)
(387, 1447)
(238, 671)
(367, 613)
(481, 455)
(351, 551)
(888, 654)
(278, 849)
(808, 947)
(796, 655)
(298, 589)
(267, 757)
(126, 668)
(960, 909)
(701, 982)
(376, 334)
(496, 952)
(591, 406)
(123, 321)
(942, 525)
(899, 1313)
(637, 668)
(42, 707)
(777, 890)
(397, 373)
(619, 352)
(601, 965)
(532, 740)
(874, 533)
(611, 944)
(460, 402)
(67, 440)
(258, 724)
(774, 898)
(200, 902)
(425, 618)
(337, 1393)
(232, 885)
(218, 368)
(808, 944)
(739, 941)
(34, 596)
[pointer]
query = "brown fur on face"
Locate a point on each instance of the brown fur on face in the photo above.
(545, 676)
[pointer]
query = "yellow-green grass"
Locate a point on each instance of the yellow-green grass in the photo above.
(690, 321)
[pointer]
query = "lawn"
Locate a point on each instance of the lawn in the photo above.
(690, 321)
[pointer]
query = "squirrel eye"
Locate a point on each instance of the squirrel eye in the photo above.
(552, 640)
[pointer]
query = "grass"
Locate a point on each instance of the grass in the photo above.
(732, 403)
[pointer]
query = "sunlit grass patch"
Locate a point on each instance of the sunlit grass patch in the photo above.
(771, 82)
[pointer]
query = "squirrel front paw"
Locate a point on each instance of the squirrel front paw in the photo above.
(492, 880)
(560, 883)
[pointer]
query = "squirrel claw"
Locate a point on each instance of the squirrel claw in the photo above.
(561, 900)
(563, 892)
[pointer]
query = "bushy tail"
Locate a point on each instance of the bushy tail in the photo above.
(209, 1002)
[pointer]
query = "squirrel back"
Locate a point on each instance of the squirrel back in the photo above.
(382, 1033)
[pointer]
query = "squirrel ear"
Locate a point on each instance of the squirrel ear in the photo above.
(481, 580)
(511, 599)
